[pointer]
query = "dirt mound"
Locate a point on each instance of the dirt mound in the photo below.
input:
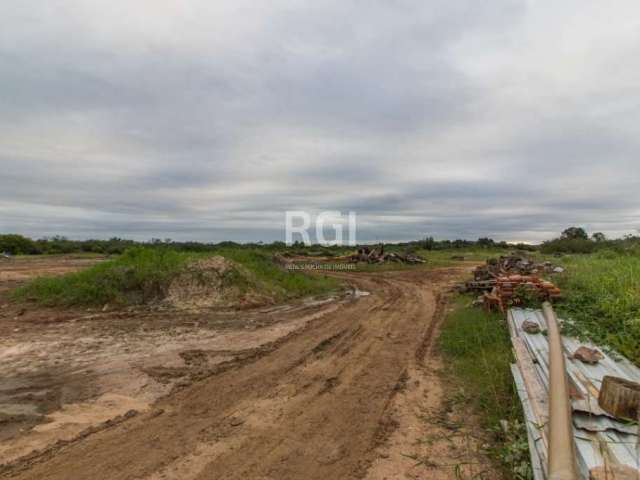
(214, 282)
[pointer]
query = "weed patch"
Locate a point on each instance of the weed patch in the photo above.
(602, 300)
(477, 350)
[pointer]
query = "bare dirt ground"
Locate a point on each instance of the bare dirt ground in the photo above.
(333, 388)
(16, 270)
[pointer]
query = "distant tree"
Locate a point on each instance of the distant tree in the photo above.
(598, 237)
(429, 243)
(17, 245)
(485, 242)
(575, 233)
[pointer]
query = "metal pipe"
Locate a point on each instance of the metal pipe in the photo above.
(562, 457)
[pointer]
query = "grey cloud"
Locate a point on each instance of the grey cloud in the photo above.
(208, 120)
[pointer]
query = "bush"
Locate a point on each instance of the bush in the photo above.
(17, 245)
(569, 245)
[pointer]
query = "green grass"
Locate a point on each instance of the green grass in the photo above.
(143, 274)
(602, 300)
(283, 284)
(477, 351)
(443, 258)
(137, 276)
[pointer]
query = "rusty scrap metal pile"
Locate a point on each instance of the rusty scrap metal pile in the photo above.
(506, 281)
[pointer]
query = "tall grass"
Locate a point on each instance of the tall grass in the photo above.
(477, 350)
(139, 275)
(602, 299)
(284, 284)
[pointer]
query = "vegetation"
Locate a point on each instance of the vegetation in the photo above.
(602, 299)
(576, 240)
(284, 284)
(20, 245)
(447, 257)
(477, 350)
(17, 245)
(137, 276)
(143, 274)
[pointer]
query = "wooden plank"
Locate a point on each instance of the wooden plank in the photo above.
(538, 397)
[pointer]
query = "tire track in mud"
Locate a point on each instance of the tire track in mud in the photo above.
(312, 405)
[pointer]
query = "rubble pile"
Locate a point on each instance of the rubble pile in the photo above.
(509, 280)
(373, 255)
(512, 291)
(513, 265)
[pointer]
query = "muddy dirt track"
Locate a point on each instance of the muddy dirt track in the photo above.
(321, 401)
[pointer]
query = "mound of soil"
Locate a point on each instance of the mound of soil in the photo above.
(215, 282)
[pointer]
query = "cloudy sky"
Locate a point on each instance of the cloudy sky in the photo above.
(207, 120)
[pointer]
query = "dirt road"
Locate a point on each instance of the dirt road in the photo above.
(336, 397)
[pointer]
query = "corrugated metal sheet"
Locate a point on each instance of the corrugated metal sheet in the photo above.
(600, 438)
(536, 447)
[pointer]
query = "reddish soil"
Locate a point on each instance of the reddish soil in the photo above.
(332, 388)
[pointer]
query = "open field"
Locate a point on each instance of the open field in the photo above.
(341, 386)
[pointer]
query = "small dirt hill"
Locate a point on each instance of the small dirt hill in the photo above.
(215, 282)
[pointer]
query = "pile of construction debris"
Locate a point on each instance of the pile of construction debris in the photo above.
(373, 255)
(515, 290)
(513, 265)
(511, 281)
(370, 255)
